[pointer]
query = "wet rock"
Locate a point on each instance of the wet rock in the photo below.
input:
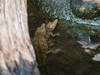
(96, 57)
(85, 9)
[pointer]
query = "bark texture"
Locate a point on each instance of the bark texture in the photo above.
(17, 55)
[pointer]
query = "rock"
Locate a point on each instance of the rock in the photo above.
(84, 9)
(96, 57)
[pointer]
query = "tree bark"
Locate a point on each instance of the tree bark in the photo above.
(17, 55)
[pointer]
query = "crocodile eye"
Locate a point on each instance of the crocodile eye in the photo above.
(85, 10)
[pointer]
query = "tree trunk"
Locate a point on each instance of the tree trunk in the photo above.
(17, 55)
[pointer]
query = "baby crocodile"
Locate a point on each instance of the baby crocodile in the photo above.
(40, 40)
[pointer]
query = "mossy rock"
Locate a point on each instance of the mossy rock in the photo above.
(83, 10)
